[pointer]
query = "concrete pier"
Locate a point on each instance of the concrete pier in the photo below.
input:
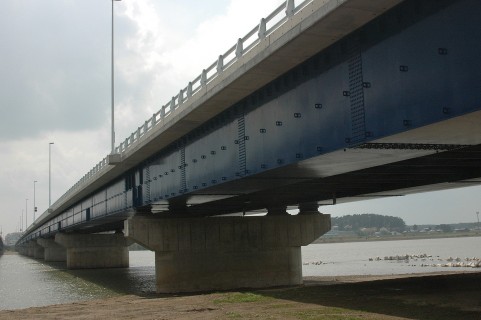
(220, 253)
(33, 250)
(38, 251)
(52, 251)
(91, 251)
(21, 249)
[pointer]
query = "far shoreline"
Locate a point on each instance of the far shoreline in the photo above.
(417, 236)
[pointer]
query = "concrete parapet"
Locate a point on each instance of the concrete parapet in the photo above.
(52, 250)
(93, 251)
(220, 253)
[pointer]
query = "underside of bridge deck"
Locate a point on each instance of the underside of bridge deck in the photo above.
(446, 169)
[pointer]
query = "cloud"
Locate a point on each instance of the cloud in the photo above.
(54, 71)
(55, 80)
(72, 155)
(172, 45)
(55, 66)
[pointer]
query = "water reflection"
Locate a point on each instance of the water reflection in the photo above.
(133, 280)
(25, 282)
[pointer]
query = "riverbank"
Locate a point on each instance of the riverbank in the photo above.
(428, 296)
(408, 236)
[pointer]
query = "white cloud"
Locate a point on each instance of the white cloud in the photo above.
(165, 55)
(55, 80)
(53, 71)
(72, 155)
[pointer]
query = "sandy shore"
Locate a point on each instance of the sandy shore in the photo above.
(427, 296)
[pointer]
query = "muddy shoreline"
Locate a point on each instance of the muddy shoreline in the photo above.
(418, 296)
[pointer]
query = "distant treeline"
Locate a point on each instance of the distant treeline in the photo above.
(445, 227)
(357, 222)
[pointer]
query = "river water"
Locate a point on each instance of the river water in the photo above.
(25, 282)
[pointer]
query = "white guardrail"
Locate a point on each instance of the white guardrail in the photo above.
(266, 26)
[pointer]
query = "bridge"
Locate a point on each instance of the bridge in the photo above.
(323, 102)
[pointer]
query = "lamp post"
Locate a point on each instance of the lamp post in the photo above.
(112, 84)
(50, 174)
(26, 214)
(34, 207)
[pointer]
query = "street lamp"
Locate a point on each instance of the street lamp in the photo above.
(112, 85)
(50, 174)
(26, 214)
(34, 207)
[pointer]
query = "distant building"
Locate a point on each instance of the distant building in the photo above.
(12, 238)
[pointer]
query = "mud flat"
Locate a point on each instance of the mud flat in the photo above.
(425, 296)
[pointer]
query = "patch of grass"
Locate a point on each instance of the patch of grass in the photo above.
(324, 314)
(233, 315)
(284, 305)
(240, 297)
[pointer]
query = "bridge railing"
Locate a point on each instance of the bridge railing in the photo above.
(265, 28)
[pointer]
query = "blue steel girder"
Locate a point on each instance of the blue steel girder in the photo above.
(380, 110)
(405, 70)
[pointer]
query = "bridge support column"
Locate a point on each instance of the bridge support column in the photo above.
(33, 250)
(29, 250)
(38, 251)
(199, 254)
(52, 250)
(95, 251)
(21, 249)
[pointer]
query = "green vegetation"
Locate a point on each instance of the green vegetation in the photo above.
(445, 228)
(234, 315)
(240, 297)
(372, 222)
(369, 227)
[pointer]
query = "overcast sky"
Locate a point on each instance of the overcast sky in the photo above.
(55, 87)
